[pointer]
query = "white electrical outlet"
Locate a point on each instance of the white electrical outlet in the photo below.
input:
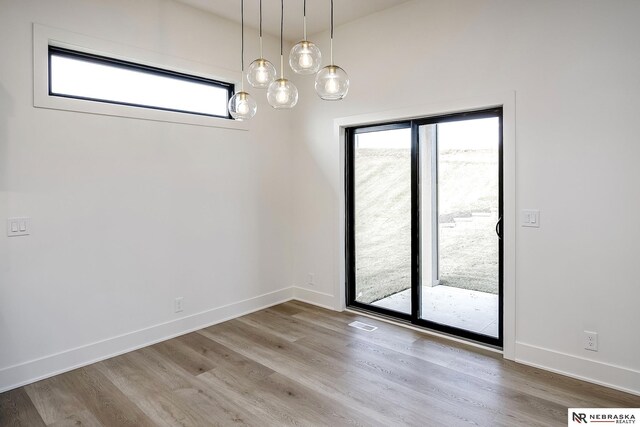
(591, 340)
(310, 280)
(177, 305)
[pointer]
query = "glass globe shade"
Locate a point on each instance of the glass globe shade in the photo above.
(332, 83)
(282, 94)
(242, 106)
(305, 58)
(261, 73)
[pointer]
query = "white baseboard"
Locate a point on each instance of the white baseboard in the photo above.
(612, 376)
(310, 296)
(616, 377)
(48, 366)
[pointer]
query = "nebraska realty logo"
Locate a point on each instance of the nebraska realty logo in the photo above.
(582, 416)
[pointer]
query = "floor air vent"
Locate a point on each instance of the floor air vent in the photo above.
(363, 326)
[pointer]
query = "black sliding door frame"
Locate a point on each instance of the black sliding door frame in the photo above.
(416, 286)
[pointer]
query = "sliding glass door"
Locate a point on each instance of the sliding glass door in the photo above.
(424, 207)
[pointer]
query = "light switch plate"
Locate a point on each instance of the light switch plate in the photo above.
(530, 218)
(18, 226)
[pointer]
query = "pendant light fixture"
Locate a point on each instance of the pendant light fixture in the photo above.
(305, 57)
(241, 105)
(261, 72)
(282, 93)
(332, 82)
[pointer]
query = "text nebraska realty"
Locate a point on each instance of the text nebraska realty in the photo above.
(605, 418)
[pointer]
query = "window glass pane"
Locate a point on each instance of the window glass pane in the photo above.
(382, 185)
(459, 173)
(86, 78)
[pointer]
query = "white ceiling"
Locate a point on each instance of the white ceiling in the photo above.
(318, 13)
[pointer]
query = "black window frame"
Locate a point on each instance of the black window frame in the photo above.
(128, 65)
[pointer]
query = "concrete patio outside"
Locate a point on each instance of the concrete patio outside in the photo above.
(471, 310)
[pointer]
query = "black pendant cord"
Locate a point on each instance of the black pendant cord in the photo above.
(261, 54)
(242, 36)
(260, 18)
(281, 30)
(304, 18)
(331, 19)
(331, 49)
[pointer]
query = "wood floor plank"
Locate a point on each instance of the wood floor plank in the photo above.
(53, 400)
(318, 409)
(273, 397)
(287, 308)
(83, 418)
(484, 364)
(130, 373)
(100, 396)
(222, 356)
(218, 407)
(269, 349)
(297, 364)
(262, 390)
(137, 379)
(166, 374)
(184, 356)
(171, 410)
(281, 326)
(16, 409)
(362, 364)
(364, 393)
(249, 394)
(441, 384)
(301, 327)
(171, 395)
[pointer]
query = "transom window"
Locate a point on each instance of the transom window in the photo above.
(80, 75)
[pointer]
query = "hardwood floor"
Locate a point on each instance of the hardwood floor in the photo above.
(296, 364)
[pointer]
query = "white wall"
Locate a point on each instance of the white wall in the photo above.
(128, 214)
(575, 68)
